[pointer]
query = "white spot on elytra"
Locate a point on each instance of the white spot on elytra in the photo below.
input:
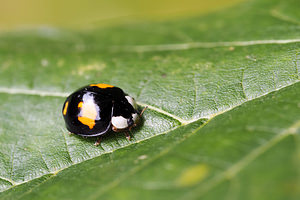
(131, 101)
(135, 117)
(119, 122)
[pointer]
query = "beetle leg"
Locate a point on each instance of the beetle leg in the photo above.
(98, 141)
(114, 129)
(131, 127)
(128, 136)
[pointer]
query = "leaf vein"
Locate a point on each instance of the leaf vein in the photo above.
(195, 45)
(41, 155)
(12, 161)
(278, 15)
(67, 147)
(8, 180)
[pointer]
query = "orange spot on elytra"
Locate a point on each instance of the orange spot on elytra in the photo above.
(87, 121)
(102, 85)
(88, 113)
(65, 108)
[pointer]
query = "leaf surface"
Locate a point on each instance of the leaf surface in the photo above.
(223, 117)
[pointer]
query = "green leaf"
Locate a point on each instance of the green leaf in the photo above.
(223, 117)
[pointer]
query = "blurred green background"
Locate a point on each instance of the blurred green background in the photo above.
(82, 14)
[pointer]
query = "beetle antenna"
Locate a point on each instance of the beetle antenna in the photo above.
(143, 110)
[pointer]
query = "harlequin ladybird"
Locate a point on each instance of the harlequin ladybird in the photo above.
(96, 109)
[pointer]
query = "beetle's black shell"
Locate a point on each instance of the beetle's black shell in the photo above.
(109, 101)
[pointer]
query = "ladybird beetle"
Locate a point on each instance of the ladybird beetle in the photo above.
(96, 109)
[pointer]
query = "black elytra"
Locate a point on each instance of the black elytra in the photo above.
(89, 110)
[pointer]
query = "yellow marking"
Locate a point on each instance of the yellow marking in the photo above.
(88, 114)
(193, 175)
(102, 85)
(65, 108)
